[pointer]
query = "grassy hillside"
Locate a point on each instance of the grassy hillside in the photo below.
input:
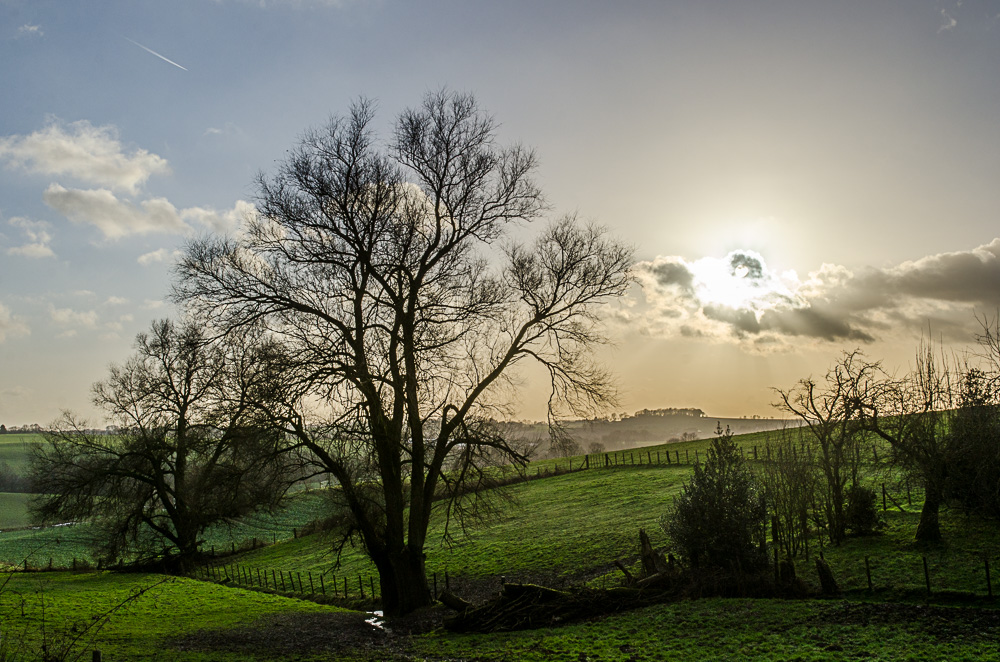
(15, 450)
(571, 527)
(53, 608)
(13, 510)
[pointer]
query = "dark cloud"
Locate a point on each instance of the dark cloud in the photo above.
(968, 276)
(743, 321)
(668, 273)
(812, 322)
(936, 292)
(753, 265)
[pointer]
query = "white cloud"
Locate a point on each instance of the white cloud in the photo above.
(157, 256)
(11, 325)
(28, 30)
(116, 301)
(152, 304)
(948, 21)
(113, 217)
(73, 318)
(225, 221)
(37, 235)
(117, 218)
(15, 392)
(80, 150)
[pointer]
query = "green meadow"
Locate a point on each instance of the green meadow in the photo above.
(560, 528)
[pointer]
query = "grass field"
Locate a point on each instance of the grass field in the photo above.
(57, 607)
(571, 528)
(13, 510)
(15, 450)
(190, 621)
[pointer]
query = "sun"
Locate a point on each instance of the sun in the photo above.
(740, 281)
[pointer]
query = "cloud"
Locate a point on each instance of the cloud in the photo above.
(37, 235)
(228, 221)
(948, 22)
(739, 299)
(160, 255)
(11, 325)
(113, 217)
(116, 301)
(28, 30)
(15, 392)
(92, 154)
(68, 317)
(117, 218)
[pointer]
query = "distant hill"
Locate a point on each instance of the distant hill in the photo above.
(648, 426)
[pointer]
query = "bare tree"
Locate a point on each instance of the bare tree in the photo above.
(189, 447)
(389, 272)
(832, 412)
(791, 484)
(914, 416)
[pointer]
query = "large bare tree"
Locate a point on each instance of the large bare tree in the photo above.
(389, 271)
(188, 447)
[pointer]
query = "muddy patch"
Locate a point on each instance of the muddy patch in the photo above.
(288, 635)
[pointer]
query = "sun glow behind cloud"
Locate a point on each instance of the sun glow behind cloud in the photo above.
(741, 281)
(738, 298)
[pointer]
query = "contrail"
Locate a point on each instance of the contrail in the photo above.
(150, 50)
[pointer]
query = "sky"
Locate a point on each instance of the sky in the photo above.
(797, 178)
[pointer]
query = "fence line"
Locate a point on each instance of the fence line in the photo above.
(875, 577)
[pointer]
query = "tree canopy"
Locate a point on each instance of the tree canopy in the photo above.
(390, 273)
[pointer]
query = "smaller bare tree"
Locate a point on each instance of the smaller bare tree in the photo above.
(190, 446)
(791, 485)
(831, 410)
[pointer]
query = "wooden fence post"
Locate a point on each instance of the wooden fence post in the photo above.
(883, 497)
(371, 585)
(868, 573)
(312, 589)
(927, 575)
(322, 586)
(435, 585)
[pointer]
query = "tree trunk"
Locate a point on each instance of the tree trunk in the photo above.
(929, 529)
(403, 580)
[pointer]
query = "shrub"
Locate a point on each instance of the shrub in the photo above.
(718, 521)
(862, 511)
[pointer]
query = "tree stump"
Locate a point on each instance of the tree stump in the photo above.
(827, 582)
